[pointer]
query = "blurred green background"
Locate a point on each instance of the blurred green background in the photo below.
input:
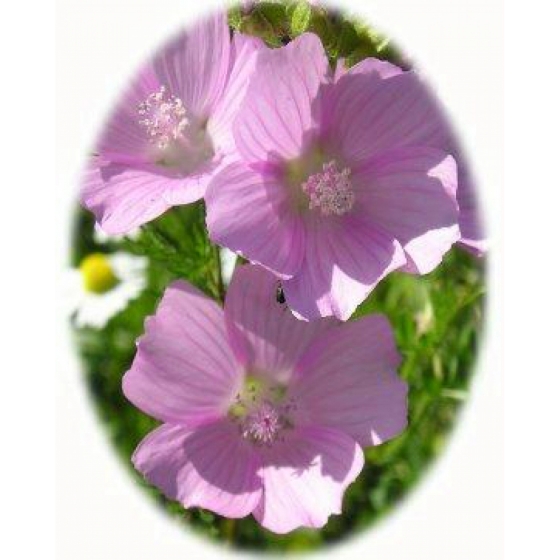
(437, 320)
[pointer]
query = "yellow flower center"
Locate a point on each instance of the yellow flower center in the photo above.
(97, 273)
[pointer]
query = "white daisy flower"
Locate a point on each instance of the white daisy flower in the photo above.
(103, 285)
(227, 262)
(99, 236)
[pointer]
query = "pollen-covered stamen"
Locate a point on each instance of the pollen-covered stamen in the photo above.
(264, 424)
(163, 116)
(330, 190)
(262, 411)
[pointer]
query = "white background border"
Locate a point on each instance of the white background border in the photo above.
(456, 513)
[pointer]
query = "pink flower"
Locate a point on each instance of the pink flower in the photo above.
(171, 130)
(473, 237)
(262, 413)
(337, 181)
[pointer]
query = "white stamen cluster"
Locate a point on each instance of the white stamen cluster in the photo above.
(263, 425)
(163, 116)
(330, 190)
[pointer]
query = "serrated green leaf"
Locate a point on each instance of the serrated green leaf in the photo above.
(323, 28)
(274, 13)
(348, 39)
(257, 24)
(300, 19)
(235, 17)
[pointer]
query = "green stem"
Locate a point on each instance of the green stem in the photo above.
(221, 290)
(229, 531)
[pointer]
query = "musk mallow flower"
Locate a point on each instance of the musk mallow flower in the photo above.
(337, 181)
(171, 130)
(473, 235)
(262, 414)
(103, 285)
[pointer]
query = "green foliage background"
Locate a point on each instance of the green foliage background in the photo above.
(437, 320)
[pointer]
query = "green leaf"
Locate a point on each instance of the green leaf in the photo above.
(347, 40)
(235, 17)
(257, 24)
(274, 13)
(300, 18)
(321, 25)
(206, 516)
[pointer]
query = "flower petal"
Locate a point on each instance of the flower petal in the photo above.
(473, 237)
(371, 65)
(441, 137)
(251, 214)
(184, 371)
(128, 267)
(370, 115)
(264, 334)
(96, 310)
(473, 234)
(192, 187)
(210, 467)
(122, 197)
(344, 260)
(411, 193)
(275, 120)
(194, 66)
(347, 380)
(123, 139)
(220, 124)
(305, 478)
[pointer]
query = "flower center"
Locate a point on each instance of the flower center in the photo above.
(261, 412)
(180, 142)
(163, 116)
(263, 425)
(330, 190)
(97, 274)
